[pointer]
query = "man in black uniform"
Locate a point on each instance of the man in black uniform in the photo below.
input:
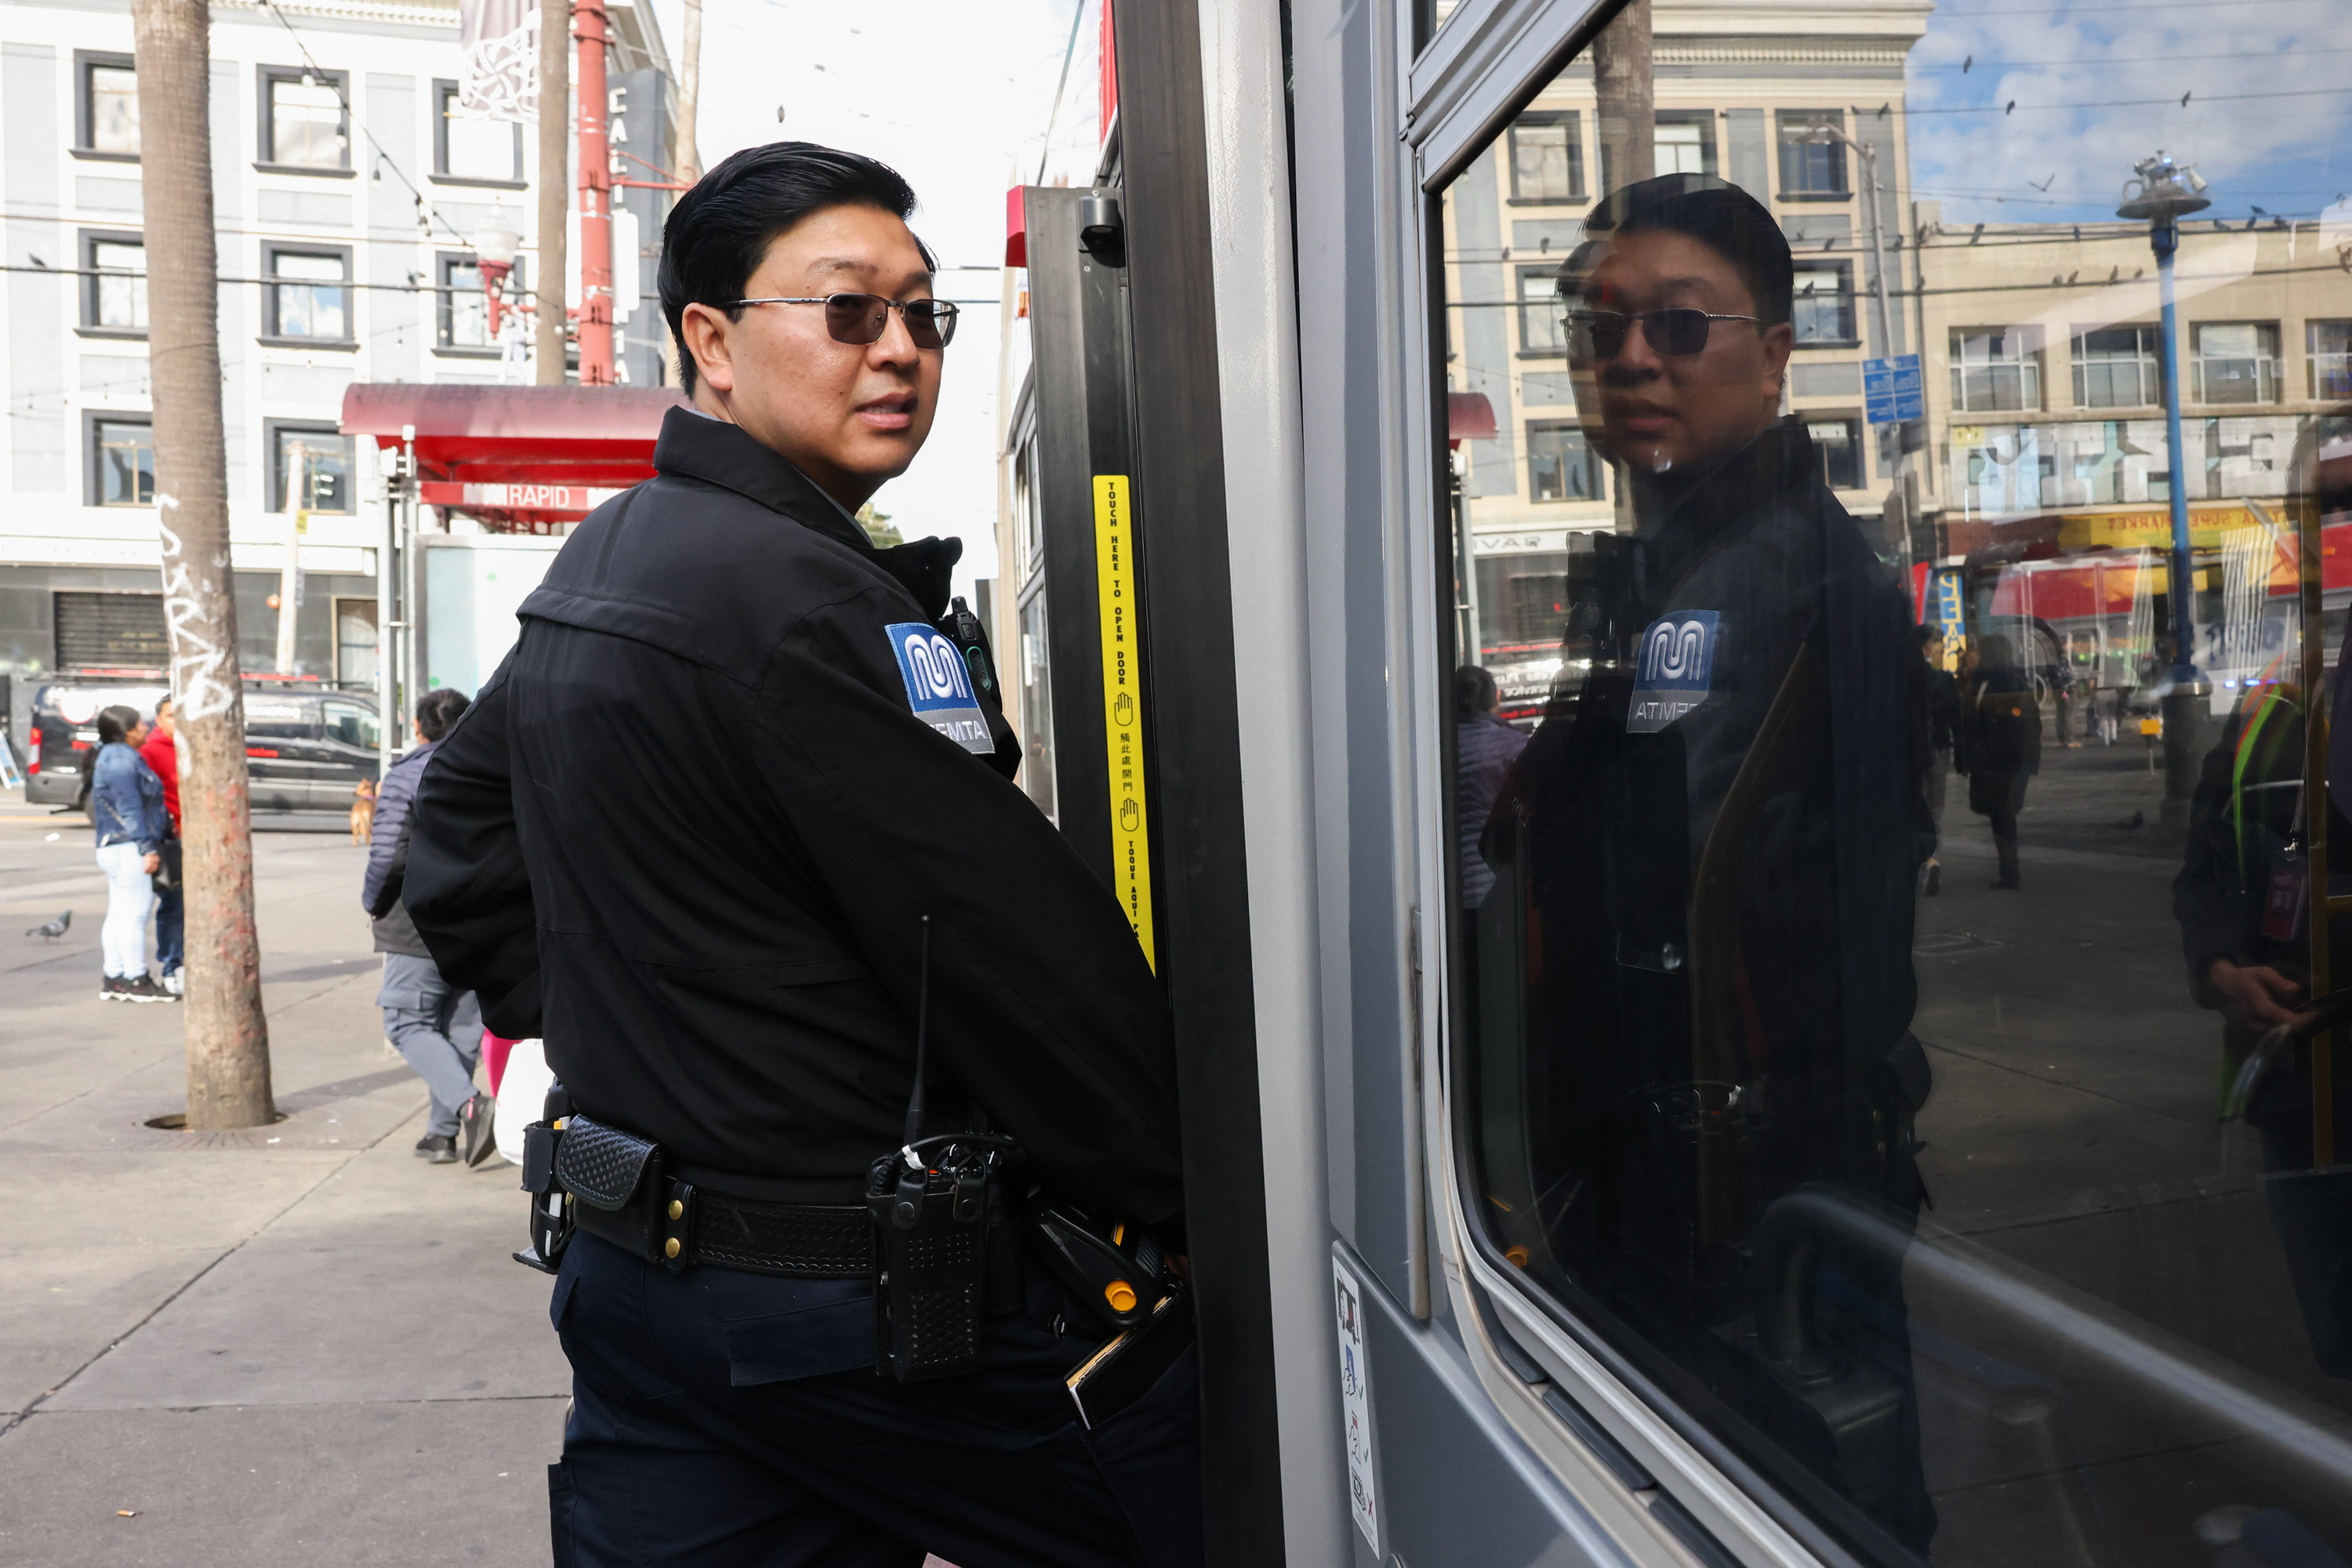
(688, 833)
(1697, 950)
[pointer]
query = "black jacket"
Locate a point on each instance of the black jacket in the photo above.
(731, 969)
(387, 861)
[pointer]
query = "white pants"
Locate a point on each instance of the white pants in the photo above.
(130, 900)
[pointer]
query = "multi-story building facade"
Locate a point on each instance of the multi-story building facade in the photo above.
(1779, 101)
(347, 192)
(2049, 485)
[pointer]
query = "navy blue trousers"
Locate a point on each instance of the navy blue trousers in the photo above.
(729, 1420)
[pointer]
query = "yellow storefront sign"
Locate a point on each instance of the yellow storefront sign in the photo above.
(1130, 831)
(2151, 527)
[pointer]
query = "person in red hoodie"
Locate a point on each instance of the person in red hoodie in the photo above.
(162, 753)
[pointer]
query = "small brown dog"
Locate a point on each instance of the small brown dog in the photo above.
(363, 811)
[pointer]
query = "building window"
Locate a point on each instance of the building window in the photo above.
(2116, 367)
(1838, 441)
(306, 297)
(303, 125)
(309, 468)
(1541, 328)
(2329, 344)
(1547, 158)
(355, 646)
(122, 462)
(1686, 143)
(466, 148)
(2235, 362)
(114, 289)
(1811, 168)
(464, 318)
(1823, 302)
(106, 110)
(1993, 369)
(1560, 466)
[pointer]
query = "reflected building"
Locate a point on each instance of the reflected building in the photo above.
(1739, 91)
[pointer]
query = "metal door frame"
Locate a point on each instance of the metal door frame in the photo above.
(1485, 63)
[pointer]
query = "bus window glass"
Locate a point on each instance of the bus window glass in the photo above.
(1897, 553)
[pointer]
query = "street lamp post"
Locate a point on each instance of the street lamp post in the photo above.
(2161, 193)
(1824, 133)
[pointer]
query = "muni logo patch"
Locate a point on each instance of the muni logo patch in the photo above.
(1672, 668)
(939, 687)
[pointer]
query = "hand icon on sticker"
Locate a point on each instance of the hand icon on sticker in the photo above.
(1129, 816)
(1122, 712)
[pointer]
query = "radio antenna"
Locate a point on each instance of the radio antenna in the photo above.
(922, 1031)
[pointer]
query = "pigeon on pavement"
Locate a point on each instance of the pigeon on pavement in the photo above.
(54, 929)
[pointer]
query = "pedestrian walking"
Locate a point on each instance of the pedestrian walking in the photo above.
(161, 751)
(729, 980)
(1935, 699)
(1484, 749)
(126, 808)
(2004, 747)
(435, 1025)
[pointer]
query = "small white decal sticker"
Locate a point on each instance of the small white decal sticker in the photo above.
(1356, 1402)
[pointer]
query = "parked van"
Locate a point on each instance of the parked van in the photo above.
(305, 749)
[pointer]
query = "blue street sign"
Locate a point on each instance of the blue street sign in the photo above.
(1892, 391)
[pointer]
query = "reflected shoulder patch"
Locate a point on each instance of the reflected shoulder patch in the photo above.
(939, 687)
(1673, 668)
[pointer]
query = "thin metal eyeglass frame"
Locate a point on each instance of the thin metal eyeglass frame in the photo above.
(943, 313)
(1649, 323)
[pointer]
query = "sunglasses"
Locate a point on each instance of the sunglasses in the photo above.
(1600, 335)
(859, 319)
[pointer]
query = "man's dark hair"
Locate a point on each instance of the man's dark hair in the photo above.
(1474, 691)
(721, 229)
(1719, 216)
(438, 711)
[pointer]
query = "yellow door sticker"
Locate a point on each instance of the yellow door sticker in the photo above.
(1131, 832)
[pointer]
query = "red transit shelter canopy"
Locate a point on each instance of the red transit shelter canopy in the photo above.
(519, 458)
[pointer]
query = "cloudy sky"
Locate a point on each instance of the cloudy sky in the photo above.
(954, 96)
(2098, 86)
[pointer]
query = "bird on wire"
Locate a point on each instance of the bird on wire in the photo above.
(52, 930)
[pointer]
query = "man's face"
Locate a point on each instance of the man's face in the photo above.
(163, 724)
(1661, 411)
(848, 416)
(136, 734)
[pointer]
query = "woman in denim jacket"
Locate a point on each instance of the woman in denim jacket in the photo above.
(126, 806)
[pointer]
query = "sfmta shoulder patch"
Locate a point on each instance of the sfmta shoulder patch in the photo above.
(1673, 668)
(939, 687)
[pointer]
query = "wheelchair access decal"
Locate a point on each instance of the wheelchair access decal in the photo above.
(939, 687)
(1673, 667)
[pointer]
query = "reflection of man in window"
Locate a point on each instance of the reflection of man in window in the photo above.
(1696, 984)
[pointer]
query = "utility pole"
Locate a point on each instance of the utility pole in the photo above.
(689, 96)
(227, 1033)
(1626, 92)
(554, 187)
(595, 202)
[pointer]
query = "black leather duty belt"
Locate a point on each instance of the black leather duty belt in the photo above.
(622, 1192)
(806, 1241)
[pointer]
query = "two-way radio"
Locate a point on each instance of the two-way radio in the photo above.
(947, 1249)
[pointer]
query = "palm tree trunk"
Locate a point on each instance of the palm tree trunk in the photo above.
(227, 1034)
(554, 187)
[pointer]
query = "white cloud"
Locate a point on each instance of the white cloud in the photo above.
(2243, 127)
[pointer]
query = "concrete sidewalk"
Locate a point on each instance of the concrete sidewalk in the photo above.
(297, 1344)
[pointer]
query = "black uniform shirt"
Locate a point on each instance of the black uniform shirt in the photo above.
(686, 832)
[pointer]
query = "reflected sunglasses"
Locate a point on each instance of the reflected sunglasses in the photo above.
(859, 319)
(1600, 335)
